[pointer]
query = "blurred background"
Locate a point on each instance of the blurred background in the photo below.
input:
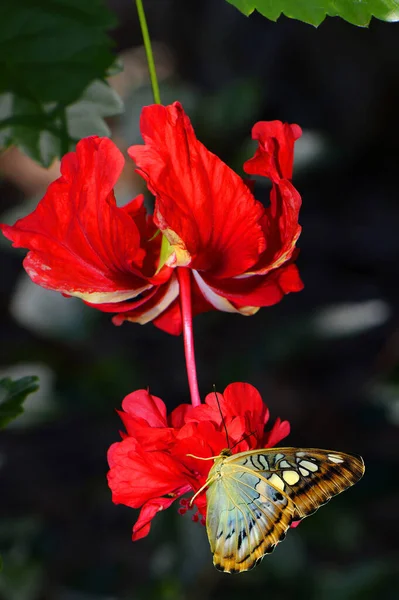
(326, 359)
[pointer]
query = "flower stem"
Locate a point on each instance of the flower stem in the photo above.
(148, 51)
(184, 277)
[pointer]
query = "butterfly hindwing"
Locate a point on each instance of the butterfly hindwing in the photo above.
(253, 497)
(246, 518)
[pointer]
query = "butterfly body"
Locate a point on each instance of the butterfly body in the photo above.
(253, 497)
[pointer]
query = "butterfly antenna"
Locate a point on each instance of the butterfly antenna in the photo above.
(243, 439)
(221, 414)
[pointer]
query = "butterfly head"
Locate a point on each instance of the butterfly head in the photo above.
(226, 452)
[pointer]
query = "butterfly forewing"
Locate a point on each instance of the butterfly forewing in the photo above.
(253, 497)
(246, 518)
(310, 477)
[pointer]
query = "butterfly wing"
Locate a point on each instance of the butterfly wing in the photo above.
(254, 496)
(309, 477)
(246, 518)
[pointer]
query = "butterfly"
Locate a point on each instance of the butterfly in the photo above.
(254, 496)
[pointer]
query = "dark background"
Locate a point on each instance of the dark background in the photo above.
(326, 359)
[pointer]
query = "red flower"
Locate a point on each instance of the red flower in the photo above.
(239, 253)
(150, 468)
(81, 243)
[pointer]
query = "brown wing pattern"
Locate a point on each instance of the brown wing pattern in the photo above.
(310, 477)
(253, 497)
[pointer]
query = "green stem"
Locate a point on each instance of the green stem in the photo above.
(148, 51)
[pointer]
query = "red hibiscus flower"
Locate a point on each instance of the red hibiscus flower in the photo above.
(150, 468)
(81, 243)
(239, 254)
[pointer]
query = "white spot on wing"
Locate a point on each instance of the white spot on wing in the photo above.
(304, 472)
(291, 477)
(308, 465)
(277, 481)
(335, 458)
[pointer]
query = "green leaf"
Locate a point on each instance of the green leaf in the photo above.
(50, 50)
(54, 57)
(12, 395)
(47, 132)
(85, 117)
(357, 12)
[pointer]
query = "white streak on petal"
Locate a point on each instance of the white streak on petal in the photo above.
(105, 297)
(93, 297)
(219, 302)
(171, 294)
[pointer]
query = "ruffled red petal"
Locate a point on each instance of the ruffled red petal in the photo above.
(142, 526)
(279, 431)
(205, 209)
(281, 227)
(149, 307)
(275, 154)
(144, 405)
(137, 476)
(80, 243)
(258, 290)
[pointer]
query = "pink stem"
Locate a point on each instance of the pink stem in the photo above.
(184, 277)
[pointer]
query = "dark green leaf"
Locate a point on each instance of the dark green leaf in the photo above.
(54, 57)
(315, 11)
(50, 50)
(12, 395)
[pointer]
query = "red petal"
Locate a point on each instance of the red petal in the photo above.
(258, 290)
(180, 414)
(273, 275)
(279, 431)
(151, 305)
(149, 438)
(143, 404)
(280, 226)
(205, 210)
(143, 524)
(80, 243)
(275, 155)
(136, 306)
(137, 476)
(241, 398)
(202, 439)
(170, 320)
(150, 240)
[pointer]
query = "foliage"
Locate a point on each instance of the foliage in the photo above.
(12, 395)
(53, 55)
(315, 11)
